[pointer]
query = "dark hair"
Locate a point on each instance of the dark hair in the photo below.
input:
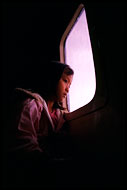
(55, 70)
(68, 70)
(43, 79)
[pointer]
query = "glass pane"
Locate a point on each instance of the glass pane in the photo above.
(78, 54)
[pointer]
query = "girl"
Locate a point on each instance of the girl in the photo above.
(40, 115)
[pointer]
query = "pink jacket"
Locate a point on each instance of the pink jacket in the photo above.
(35, 124)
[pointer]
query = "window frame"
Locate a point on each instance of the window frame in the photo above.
(98, 101)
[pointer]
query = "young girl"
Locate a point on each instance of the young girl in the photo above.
(40, 115)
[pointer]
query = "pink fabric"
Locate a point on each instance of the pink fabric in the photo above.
(54, 117)
(28, 125)
(34, 125)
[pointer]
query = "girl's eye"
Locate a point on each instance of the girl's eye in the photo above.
(65, 81)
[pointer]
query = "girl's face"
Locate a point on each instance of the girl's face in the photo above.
(63, 86)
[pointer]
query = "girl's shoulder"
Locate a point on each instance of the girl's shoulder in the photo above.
(28, 97)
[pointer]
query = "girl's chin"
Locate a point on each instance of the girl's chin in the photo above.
(61, 99)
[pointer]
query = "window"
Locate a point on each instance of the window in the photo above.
(77, 53)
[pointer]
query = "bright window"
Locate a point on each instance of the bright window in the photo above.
(78, 54)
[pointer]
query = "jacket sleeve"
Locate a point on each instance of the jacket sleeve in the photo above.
(28, 126)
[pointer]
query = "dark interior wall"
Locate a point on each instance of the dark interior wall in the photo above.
(31, 36)
(106, 23)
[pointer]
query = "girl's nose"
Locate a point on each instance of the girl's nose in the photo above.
(67, 89)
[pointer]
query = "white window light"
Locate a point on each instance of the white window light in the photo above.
(77, 53)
